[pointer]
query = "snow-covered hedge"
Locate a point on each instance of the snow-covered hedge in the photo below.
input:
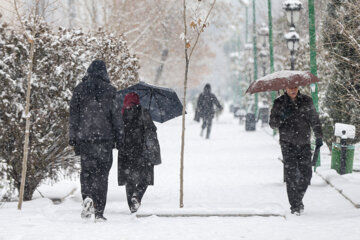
(60, 60)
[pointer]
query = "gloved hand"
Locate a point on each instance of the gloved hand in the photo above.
(318, 142)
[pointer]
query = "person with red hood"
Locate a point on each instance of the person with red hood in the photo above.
(141, 151)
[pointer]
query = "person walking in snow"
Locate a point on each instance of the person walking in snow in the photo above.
(205, 109)
(95, 128)
(294, 115)
(140, 153)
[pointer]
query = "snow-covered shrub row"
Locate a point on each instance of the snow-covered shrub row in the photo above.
(60, 61)
(341, 39)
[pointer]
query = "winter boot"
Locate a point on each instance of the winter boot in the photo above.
(88, 208)
(301, 207)
(100, 218)
(208, 133)
(295, 211)
(135, 204)
(202, 132)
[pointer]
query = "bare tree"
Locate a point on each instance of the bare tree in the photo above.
(152, 30)
(198, 25)
(31, 39)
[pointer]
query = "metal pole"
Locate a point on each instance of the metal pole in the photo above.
(313, 64)
(255, 56)
(239, 91)
(264, 68)
(247, 25)
(343, 156)
(271, 50)
(292, 60)
(271, 45)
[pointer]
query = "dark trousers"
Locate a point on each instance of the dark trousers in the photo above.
(96, 161)
(137, 190)
(207, 122)
(298, 172)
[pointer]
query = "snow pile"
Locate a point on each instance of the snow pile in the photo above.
(347, 184)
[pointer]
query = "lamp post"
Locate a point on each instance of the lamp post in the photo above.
(292, 8)
(263, 54)
(313, 64)
(292, 39)
(263, 57)
(255, 55)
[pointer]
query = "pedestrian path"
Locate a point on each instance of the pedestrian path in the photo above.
(234, 169)
(234, 172)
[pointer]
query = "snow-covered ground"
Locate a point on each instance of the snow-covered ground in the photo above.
(233, 172)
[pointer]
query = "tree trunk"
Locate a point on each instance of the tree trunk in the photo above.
(27, 127)
(183, 115)
(187, 62)
(29, 190)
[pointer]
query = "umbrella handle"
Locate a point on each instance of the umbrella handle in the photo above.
(315, 156)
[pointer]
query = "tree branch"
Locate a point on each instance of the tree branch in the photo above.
(202, 28)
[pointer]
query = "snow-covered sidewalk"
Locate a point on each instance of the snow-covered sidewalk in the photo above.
(232, 172)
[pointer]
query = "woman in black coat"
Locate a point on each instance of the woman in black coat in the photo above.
(140, 151)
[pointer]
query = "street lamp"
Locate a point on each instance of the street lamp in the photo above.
(263, 57)
(292, 39)
(248, 49)
(263, 33)
(292, 8)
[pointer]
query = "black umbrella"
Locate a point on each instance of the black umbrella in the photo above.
(162, 103)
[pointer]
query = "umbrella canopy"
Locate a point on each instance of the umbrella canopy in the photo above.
(282, 79)
(162, 103)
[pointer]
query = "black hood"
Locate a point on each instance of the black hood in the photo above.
(94, 79)
(97, 70)
(207, 88)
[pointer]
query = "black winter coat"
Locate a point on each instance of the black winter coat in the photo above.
(205, 105)
(135, 161)
(295, 119)
(95, 116)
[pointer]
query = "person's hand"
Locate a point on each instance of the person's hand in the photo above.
(318, 142)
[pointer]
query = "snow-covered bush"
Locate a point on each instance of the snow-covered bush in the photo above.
(60, 60)
(341, 39)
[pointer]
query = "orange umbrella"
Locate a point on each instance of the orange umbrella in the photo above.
(282, 79)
